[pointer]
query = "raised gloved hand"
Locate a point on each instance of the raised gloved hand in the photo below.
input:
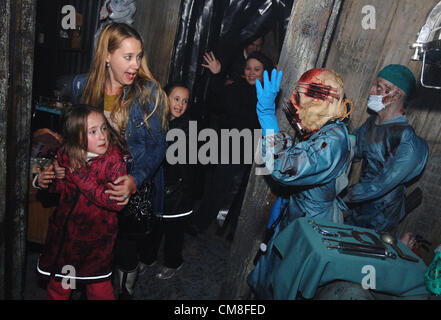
(266, 97)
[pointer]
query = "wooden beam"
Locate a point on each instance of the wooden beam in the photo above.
(157, 22)
(17, 65)
(4, 88)
(305, 46)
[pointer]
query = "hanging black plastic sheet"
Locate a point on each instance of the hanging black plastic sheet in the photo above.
(222, 27)
(283, 14)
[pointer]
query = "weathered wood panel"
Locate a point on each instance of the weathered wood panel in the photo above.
(157, 22)
(357, 54)
(310, 25)
(17, 67)
(4, 75)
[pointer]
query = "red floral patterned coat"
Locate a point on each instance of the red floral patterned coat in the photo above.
(83, 229)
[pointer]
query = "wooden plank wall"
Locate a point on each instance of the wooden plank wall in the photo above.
(17, 19)
(5, 14)
(157, 22)
(358, 54)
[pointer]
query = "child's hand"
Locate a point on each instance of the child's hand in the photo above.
(45, 176)
(60, 172)
(121, 189)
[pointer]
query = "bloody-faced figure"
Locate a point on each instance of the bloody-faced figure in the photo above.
(317, 99)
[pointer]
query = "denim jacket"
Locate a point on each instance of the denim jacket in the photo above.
(147, 145)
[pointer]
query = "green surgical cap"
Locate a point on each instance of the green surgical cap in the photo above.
(400, 76)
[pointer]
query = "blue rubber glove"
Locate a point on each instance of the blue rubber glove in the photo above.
(266, 101)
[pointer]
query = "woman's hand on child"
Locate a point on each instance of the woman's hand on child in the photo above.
(45, 176)
(213, 64)
(60, 172)
(121, 189)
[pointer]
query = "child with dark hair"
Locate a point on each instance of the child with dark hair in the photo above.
(82, 231)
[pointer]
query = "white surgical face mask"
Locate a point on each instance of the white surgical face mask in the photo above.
(375, 102)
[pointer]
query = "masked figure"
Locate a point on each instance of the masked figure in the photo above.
(317, 166)
(392, 153)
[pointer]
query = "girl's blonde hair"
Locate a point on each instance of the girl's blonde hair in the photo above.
(74, 132)
(110, 39)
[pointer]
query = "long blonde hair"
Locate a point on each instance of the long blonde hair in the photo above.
(110, 39)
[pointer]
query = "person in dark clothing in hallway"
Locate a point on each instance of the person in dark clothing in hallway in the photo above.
(233, 70)
(235, 105)
(179, 195)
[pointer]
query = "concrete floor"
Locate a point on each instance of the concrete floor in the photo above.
(200, 278)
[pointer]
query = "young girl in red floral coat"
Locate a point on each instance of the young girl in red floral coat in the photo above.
(82, 231)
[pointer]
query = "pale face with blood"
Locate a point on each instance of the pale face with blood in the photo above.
(318, 98)
(387, 89)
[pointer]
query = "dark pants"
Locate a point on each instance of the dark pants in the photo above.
(129, 251)
(236, 206)
(221, 193)
(172, 231)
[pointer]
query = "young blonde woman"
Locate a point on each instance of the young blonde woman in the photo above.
(121, 83)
